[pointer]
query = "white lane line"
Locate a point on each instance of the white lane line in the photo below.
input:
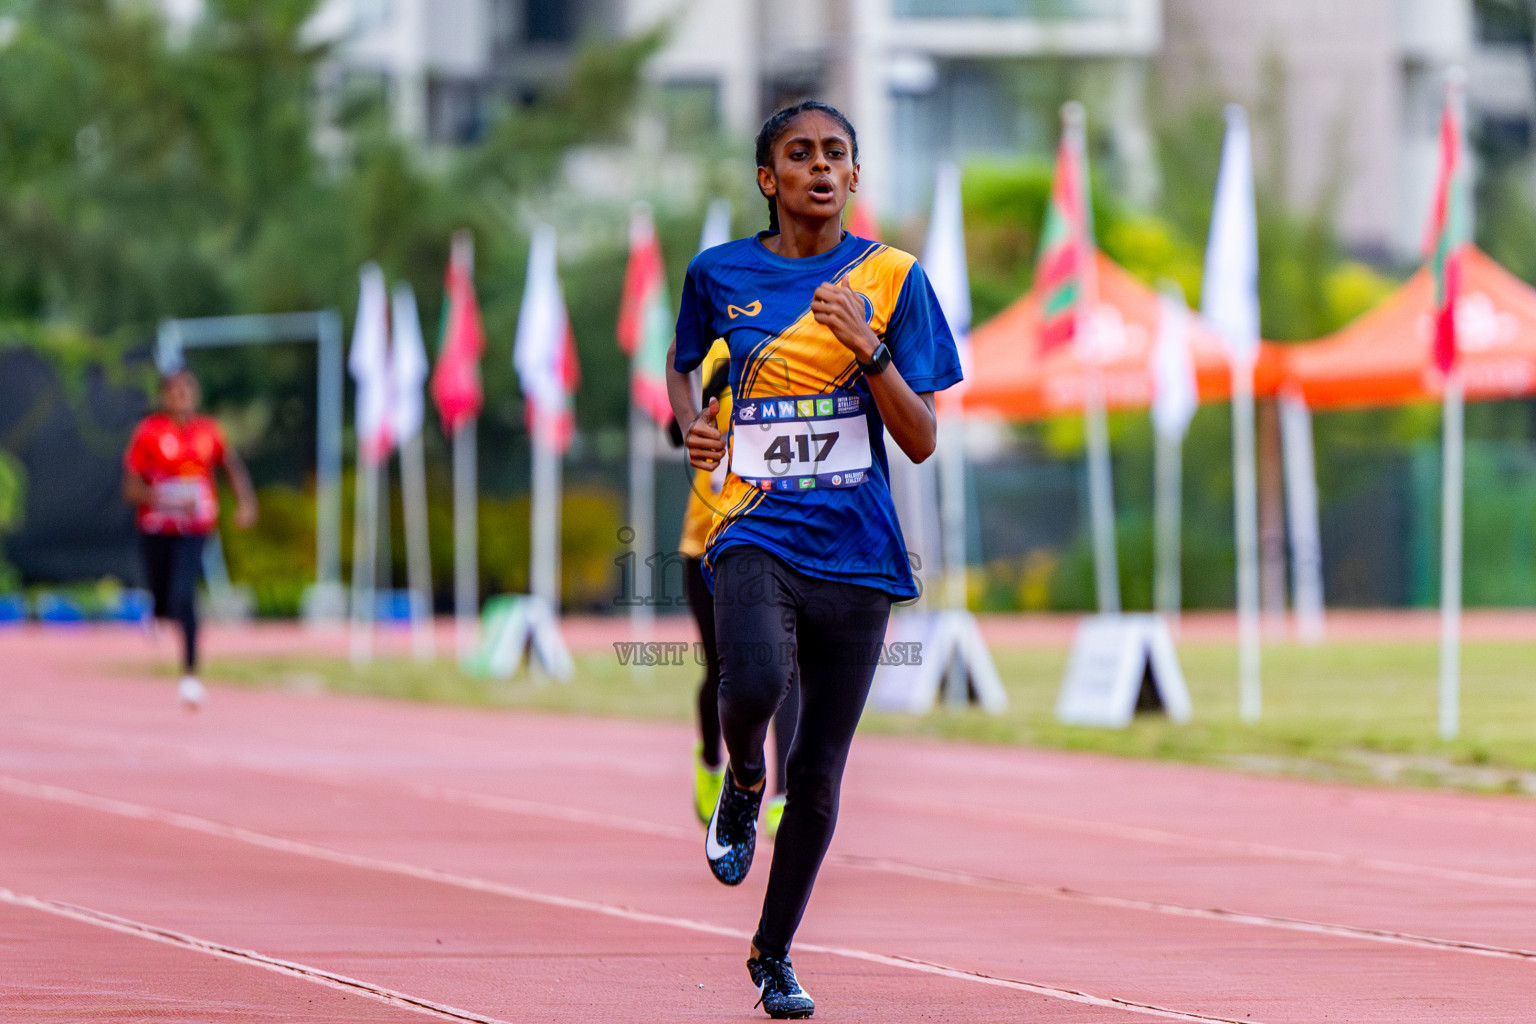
(534, 808)
(1142, 834)
(205, 826)
(249, 957)
(537, 809)
(1082, 826)
(1292, 924)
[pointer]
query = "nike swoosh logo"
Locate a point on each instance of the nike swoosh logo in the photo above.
(755, 308)
(712, 848)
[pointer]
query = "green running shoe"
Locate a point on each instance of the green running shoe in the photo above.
(706, 785)
(773, 816)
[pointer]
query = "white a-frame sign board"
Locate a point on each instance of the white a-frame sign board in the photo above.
(1122, 664)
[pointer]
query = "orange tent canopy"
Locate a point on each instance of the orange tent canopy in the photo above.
(1010, 378)
(1385, 357)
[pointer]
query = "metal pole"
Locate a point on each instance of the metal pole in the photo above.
(952, 501)
(1101, 497)
(544, 566)
(418, 557)
(364, 554)
(1301, 512)
(1168, 483)
(466, 555)
(1101, 493)
(328, 418)
(642, 514)
(1450, 556)
(1245, 507)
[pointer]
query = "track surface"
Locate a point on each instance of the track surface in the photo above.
(289, 858)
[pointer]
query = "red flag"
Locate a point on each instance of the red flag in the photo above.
(456, 379)
(861, 222)
(1444, 241)
(645, 323)
(1065, 252)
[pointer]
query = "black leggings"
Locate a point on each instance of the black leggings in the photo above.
(771, 618)
(172, 565)
(702, 602)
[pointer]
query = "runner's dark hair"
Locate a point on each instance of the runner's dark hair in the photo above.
(778, 124)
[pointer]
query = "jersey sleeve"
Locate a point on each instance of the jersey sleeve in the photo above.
(918, 336)
(694, 320)
(220, 444)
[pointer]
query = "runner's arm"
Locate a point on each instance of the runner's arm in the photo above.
(245, 494)
(136, 490)
(908, 416)
(706, 445)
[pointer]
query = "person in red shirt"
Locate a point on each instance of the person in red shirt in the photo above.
(168, 475)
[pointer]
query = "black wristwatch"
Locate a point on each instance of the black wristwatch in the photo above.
(877, 362)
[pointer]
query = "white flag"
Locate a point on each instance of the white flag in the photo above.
(717, 225)
(944, 259)
(407, 366)
(543, 352)
(1230, 295)
(1175, 393)
(369, 364)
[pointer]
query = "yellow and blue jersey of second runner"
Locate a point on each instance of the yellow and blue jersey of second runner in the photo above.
(827, 515)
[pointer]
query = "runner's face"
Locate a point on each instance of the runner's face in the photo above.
(813, 170)
(178, 396)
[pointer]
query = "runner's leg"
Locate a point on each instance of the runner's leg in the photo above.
(754, 619)
(784, 721)
(702, 603)
(156, 551)
(840, 629)
(186, 566)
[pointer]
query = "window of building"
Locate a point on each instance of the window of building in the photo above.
(1503, 21)
(550, 21)
(455, 111)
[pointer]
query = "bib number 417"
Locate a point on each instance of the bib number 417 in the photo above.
(785, 453)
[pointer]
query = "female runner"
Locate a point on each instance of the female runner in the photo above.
(833, 339)
(168, 474)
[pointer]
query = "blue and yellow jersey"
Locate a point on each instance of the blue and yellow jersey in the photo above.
(809, 480)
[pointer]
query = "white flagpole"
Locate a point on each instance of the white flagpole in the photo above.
(408, 372)
(642, 473)
(1101, 492)
(466, 513)
(466, 556)
(418, 556)
(1301, 511)
(1168, 480)
(642, 512)
(1231, 304)
(1454, 415)
(1175, 396)
(544, 566)
(1453, 485)
(1246, 507)
(364, 557)
(368, 362)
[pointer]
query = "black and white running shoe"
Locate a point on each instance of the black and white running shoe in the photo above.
(778, 991)
(732, 834)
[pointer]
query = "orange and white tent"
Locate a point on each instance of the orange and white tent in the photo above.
(1386, 357)
(1010, 378)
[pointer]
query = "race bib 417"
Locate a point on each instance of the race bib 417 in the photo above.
(801, 442)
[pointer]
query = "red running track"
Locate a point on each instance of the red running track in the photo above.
(288, 858)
